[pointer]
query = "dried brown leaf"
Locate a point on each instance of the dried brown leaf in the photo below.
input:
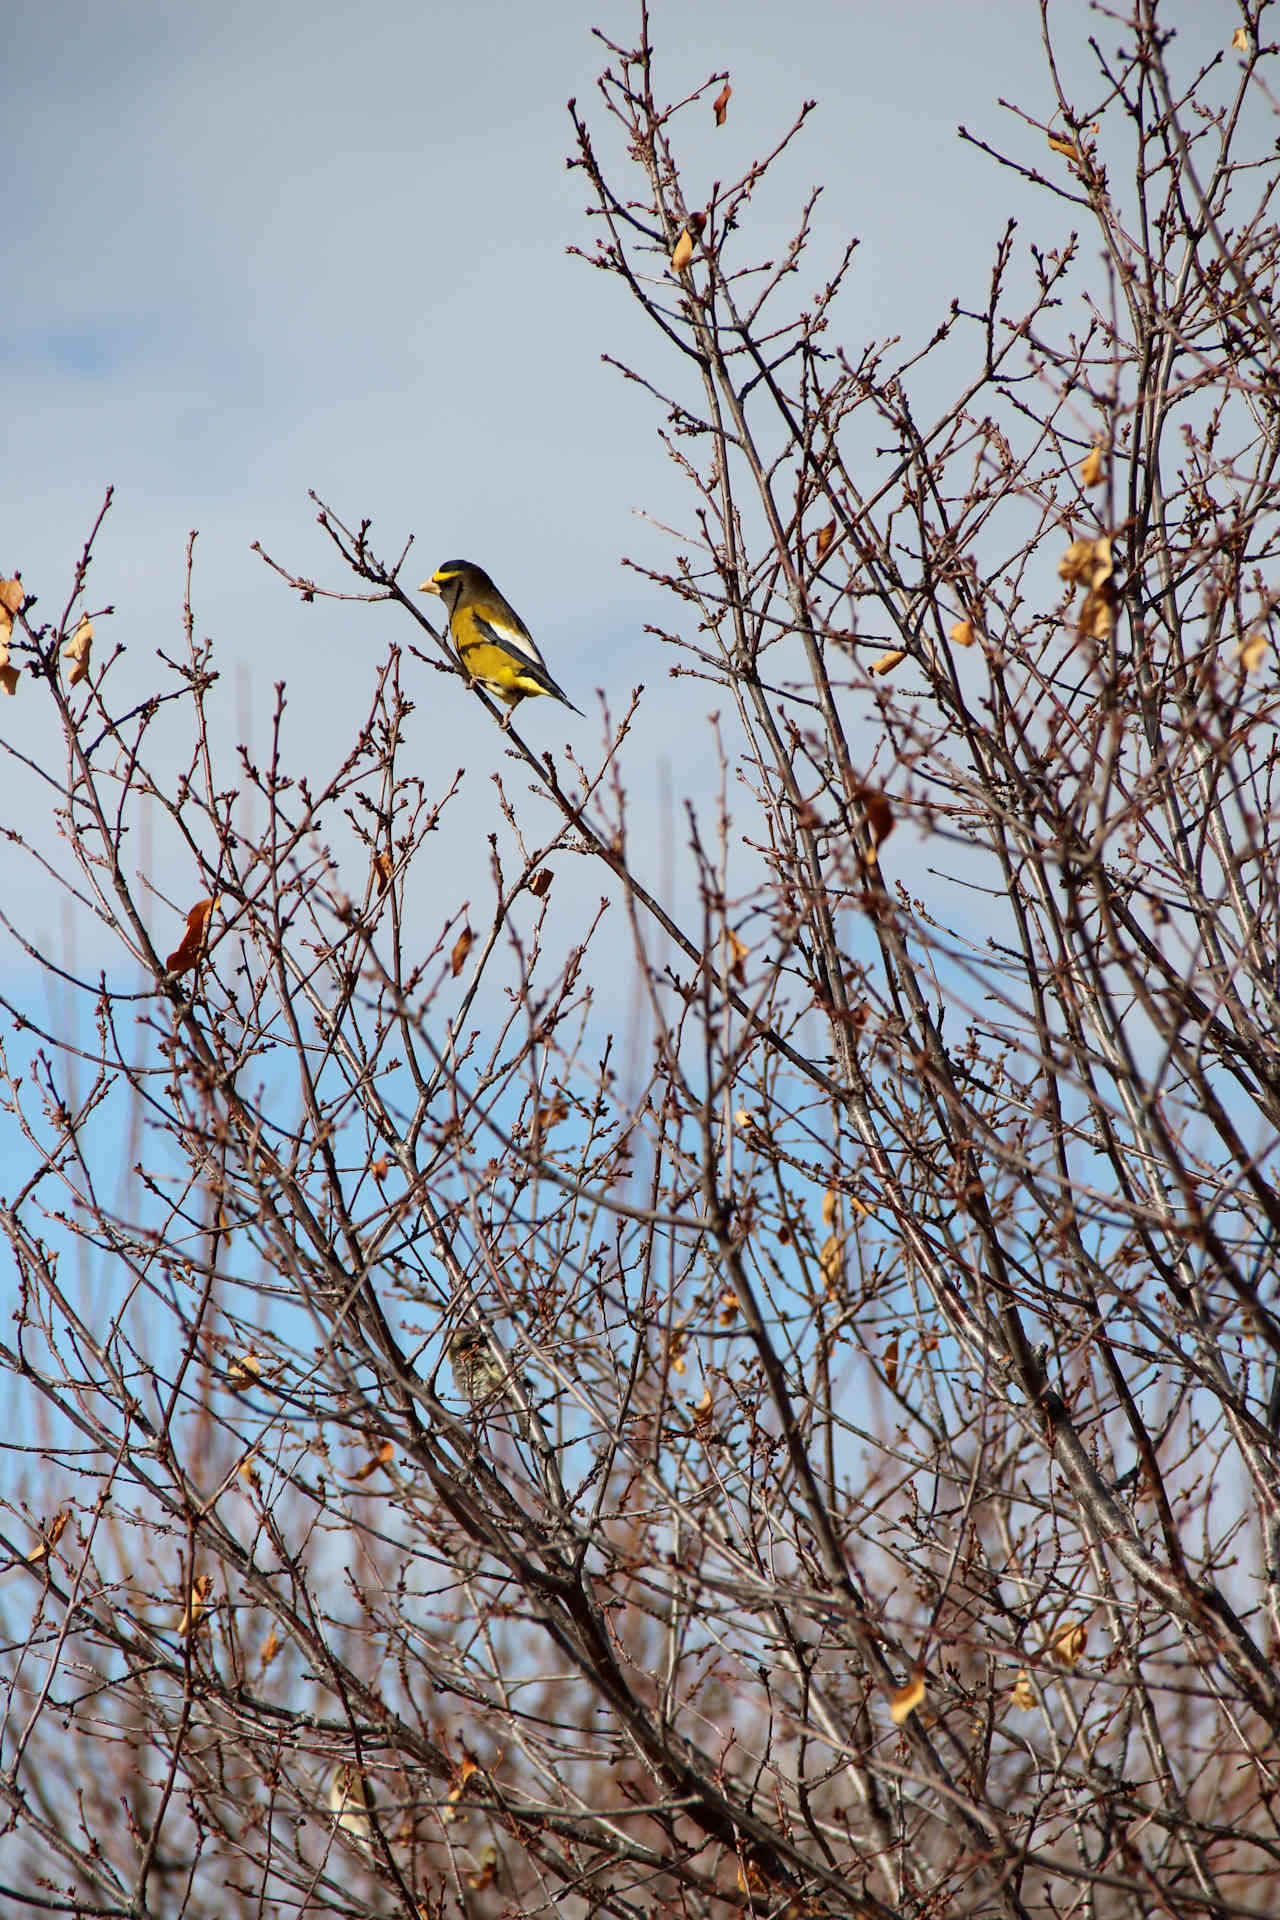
(1061, 144)
(1068, 1642)
(1240, 41)
(1093, 468)
(190, 949)
(891, 1361)
(382, 1458)
(1252, 652)
(268, 1650)
(888, 661)
(383, 868)
(77, 652)
(720, 105)
(737, 956)
(1022, 1693)
(12, 596)
(540, 882)
(830, 1207)
(822, 540)
(52, 1534)
(682, 253)
(201, 1588)
(962, 633)
(461, 948)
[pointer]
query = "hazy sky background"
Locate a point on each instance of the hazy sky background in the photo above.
(254, 249)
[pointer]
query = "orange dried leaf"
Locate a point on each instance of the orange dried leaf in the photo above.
(540, 883)
(703, 1411)
(8, 676)
(268, 1650)
(822, 540)
(380, 1167)
(962, 633)
(77, 652)
(720, 105)
(461, 948)
(1061, 144)
(248, 1471)
(888, 661)
(729, 1304)
(191, 947)
(1022, 1693)
(1252, 652)
(903, 1701)
(879, 813)
(682, 253)
(891, 1361)
(383, 868)
(1093, 468)
(830, 1207)
(1240, 40)
(382, 1458)
(12, 596)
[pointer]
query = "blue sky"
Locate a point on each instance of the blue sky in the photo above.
(259, 249)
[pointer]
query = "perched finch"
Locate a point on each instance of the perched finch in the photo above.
(478, 1372)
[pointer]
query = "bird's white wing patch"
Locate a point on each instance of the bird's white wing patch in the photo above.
(514, 639)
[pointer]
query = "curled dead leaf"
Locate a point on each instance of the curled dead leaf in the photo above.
(201, 1588)
(682, 252)
(540, 882)
(962, 633)
(461, 948)
(1252, 652)
(268, 1650)
(888, 661)
(703, 1411)
(891, 1361)
(51, 1536)
(727, 1307)
(1069, 1642)
(823, 539)
(1240, 40)
(8, 674)
(1093, 468)
(77, 652)
(382, 1458)
(737, 956)
(903, 1701)
(1022, 1693)
(380, 1167)
(13, 597)
(830, 1207)
(720, 105)
(190, 949)
(383, 868)
(1061, 144)
(831, 1263)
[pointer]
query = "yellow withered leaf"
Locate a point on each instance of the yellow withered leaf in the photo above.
(1240, 41)
(682, 253)
(888, 661)
(56, 1528)
(737, 956)
(12, 595)
(822, 540)
(1252, 652)
(201, 1588)
(77, 652)
(962, 633)
(831, 1263)
(1093, 468)
(1022, 1694)
(461, 948)
(1068, 1642)
(903, 1701)
(191, 947)
(1061, 144)
(727, 1307)
(268, 1650)
(830, 1207)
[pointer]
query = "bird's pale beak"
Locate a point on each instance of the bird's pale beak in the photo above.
(428, 586)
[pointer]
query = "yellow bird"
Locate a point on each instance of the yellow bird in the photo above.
(493, 642)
